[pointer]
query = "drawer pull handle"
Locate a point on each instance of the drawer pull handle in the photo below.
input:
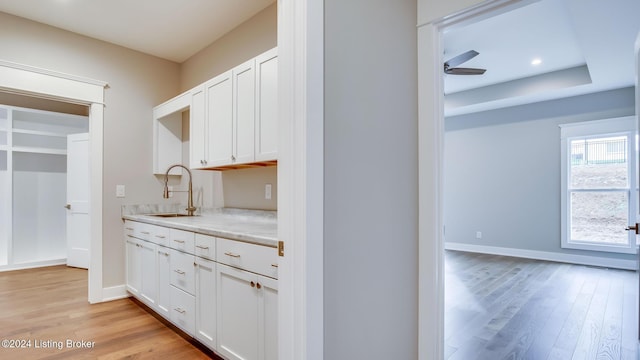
(145, 232)
(131, 236)
(179, 272)
(181, 311)
(163, 253)
(274, 265)
(160, 236)
(202, 247)
(129, 228)
(179, 241)
(232, 254)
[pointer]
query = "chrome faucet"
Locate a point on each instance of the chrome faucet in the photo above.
(190, 208)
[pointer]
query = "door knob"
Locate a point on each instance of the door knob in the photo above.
(68, 206)
(634, 228)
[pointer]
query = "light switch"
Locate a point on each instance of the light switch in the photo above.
(267, 191)
(120, 191)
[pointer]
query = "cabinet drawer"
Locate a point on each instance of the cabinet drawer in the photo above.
(205, 246)
(255, 258)
(159, 235)
(181, 240)
(182, 271)
(183, 310)
(129, 229)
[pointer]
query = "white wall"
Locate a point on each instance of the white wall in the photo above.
(370, 203)
(502, 171)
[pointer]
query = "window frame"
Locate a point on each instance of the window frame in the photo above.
(623, 126)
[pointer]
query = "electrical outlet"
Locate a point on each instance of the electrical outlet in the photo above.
(267, 191)
(120, 191)
(478, 234)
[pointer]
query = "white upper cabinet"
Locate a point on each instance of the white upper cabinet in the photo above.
(197, 127)
(266, 108)
(244, 85)
(219, 118)
(233, 119)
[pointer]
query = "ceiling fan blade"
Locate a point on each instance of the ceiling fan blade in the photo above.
(462, 58)
(464, 71)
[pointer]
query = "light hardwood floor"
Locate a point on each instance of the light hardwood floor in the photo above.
(508, 308)
(48, 306)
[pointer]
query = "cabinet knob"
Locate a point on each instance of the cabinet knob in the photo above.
(233, 158)
(253, 284)
(259, 286)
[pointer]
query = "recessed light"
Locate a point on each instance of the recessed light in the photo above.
(536, 61)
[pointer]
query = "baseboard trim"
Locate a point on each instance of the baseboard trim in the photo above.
(114, 293)
(32, 265)
(545, 255)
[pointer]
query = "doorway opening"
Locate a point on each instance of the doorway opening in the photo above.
(19, 79)
(515, 155)
(33, 179)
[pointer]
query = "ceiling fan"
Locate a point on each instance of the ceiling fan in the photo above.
(449, 66)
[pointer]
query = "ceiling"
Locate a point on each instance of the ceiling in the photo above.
(170, 29)
(585, 46)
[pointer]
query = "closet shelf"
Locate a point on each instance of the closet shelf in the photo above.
(40, 133)
(37, 150)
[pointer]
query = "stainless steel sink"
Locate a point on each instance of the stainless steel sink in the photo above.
(171, 215)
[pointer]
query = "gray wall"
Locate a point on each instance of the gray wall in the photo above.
(235, 188)
(137, 82)
(370, 219)
(502, 171)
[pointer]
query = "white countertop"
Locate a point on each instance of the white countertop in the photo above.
(252, 226)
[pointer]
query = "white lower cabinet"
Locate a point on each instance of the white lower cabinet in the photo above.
(164, 281)
(211, 288)
(269, 318)
(134, 264)
(140, 255)
(206, 302)
(247, 315)
(149, 279)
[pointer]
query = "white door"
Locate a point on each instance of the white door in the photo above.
(78, 224)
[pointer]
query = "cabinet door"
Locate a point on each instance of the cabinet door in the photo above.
(134, 265)
(237, 313)
(268, 318)
(197, 129)
(149, 275)
(266, 132)
(164, 281)
(244, 113)
(206, 302)
(219, 91)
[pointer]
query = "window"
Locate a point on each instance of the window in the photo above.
(598, 174)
